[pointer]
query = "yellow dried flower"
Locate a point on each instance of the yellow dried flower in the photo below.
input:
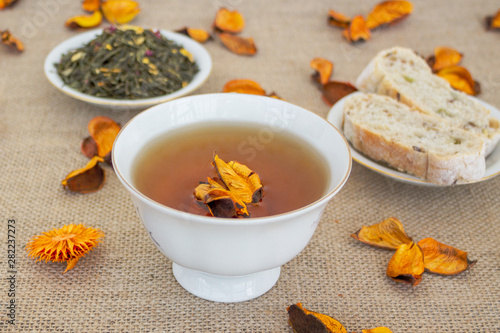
(67, 244)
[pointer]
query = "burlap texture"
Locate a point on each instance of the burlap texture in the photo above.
(126, 284)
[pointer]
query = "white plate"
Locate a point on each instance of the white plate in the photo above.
(335, 117)
(200, 54)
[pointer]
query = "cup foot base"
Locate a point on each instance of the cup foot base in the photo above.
(226, 289)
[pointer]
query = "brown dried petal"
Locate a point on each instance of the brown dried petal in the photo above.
(230, 21)
(493, 22)
(443, 259)
(460, 78)
(323, 69)
(9, 40)
(407, 264)
(335, 90)
(357, 30)
(238, 45)
(305, 321)
(104, 131)
(220, 201)
(88, 147)
(85, 21)
(388, 12)
(338, 19)
(377, 330)
(87, 179)
(244, 86)
(388, 234)
(198, 35)
(444, 57)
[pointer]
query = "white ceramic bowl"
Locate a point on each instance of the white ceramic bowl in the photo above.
(200, 54)
(230, 260)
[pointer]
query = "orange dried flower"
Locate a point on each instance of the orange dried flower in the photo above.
(6, 3)
(303, 320)
(338, 19)
(333, 91)
(388, 12)
(120, 11)
(407, 264)
(88, 179)
(377, 330)
(443, 259)
(323, 69)
(84, 21)
(91, 5)
(493, 22)
(388, 234)
(444, 57)
(244, 86)
(8, 39)
(67, 244)
(230, 21)
(198, 35)
(237, 44)
(460, 78)
(104, 131)
(357, 30)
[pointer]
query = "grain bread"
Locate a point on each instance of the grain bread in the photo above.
(402, 74)
(410, 141)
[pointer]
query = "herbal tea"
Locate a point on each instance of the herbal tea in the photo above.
(174, 168)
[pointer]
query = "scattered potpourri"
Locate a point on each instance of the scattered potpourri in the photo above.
(411, 259)
(67, 244)
(493, 22)
(7, 3)
(8, 39)
(115, 11)
(358, 28)
(247, 86)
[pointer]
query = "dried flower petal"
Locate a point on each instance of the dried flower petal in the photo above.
(407, 264)
(493, 22)
(219, 200)
(338, 19)
(6, 3)
(88, 147)
(305, 321)
(388, 234)
(357, 30)
(198, 35)
(335, 90)
(120, 11)
(87, 179)
(85, 21)
(323, 69)
(104, 131)
(230, 21)
(388, 12)
(443, 259)
(244, 86)
(460, 78)
(444, 57)
(237, 44)
(377, 330)
(67, 244)
(91, 5)
(9, 40)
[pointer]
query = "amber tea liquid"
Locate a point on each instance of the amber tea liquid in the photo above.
(293, 174)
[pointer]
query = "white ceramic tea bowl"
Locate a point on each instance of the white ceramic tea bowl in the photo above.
(230, 260)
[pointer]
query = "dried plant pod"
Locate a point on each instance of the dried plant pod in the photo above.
(91, 5)
(377, 330)
(493, 22)
(388, 234)
(338, 19)
(407, 264)
(444, 57)
(87, 179)
(120, 11)
(8, 39)
(461, 79)
(88, 147)
(237, 44)
(85, 21)
(104, 131)
(305, 321)
(199, 35)
(230, 21)
(323, 69)
(333, 91)
(443, 259)
(6, 3)
(357, 30)
(388, 12)
(244, 86)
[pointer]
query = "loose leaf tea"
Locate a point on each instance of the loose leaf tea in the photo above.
(443, 259)
(67, 244)
(460, 78)
(323, 70)
(87, 179)
(357, 30)
(230, 21)
(444, 57)
(338, 19)
(388, 12)
(85, 21)
(407, 264)
(8, 39)
(237, 44)
(120, 11)
(388, 234)
(493, 22)
(198, 35)
(305, 321)
(128, 63)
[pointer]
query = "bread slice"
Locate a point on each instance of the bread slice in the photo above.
(389, 131)
(402, 74)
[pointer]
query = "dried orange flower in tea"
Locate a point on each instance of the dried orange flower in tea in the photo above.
(443, 259)
(91, 5)
(87, 179)
(444, 57)
(67, 244)
(220, 201)
(388, 12)
(6, 3)
(377, 330)
(198, 35)
(460, 78)
(388, 234)
(85, 21)
(305, 321)
(407, 264)
(323, 69)
(244, 86)
(120, 11)
(8, 39)
(333, 91)
(493, 22)
(338, 19)
(230, 21)
(237, 44)
(357, 30)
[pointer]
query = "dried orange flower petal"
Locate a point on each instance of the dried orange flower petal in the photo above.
(244, 86)
(460, 78)
(323, 69)
(104, 131)
(120, 11)
(407, 264)
(91, 5)
(198, 35)
(335, 90)
(388, 12)
(8, 39)
(220, 201)
(493, 22)
(230, 21)
(338, 19)
(88, 147)
(305, 321)
(237, 44)
(87, 179)
(67, 244)
(377, 330)
(443, 259)
(357, 30)
(85, 21)
(444, 57)
(388, 234)
(6, 3)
